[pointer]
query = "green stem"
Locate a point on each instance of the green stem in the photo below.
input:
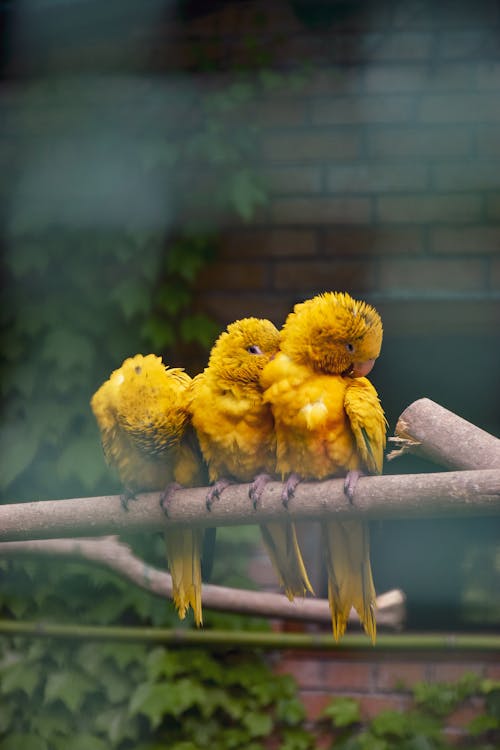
(229, 639)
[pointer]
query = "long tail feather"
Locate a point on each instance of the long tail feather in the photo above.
(350, 582)
(283, 548)
(183, 556)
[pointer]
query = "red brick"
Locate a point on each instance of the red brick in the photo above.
(306, 671)
(467, 45)
(274, 111)
(455, 108)
(457, 207)
(488, 76)
(321, 210)
(376, 177)
(419, 77)
(335, 80)
(422, 141)
(451, 672)
(234, 275)
(493, 206)
(226, 306)
(372, 705)
(268, 243)
(492, 670)
(416, 317)
(373, 240)
(433, 274)
(315, 702)
(340, 675)
(362, 109)
(464, 714)
(476, 240)
(480, 175)
(313, 276)
(311, 145)
(401, 46)
(395, 675)
(487, 140)
(287, 180)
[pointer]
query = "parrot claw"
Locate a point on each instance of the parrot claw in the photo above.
(126, 497)
(257, 488)
(167, 496)
(289, 487)
(216, 491)
(350, 483)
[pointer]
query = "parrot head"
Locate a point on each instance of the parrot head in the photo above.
(242, 350)
(334, 334)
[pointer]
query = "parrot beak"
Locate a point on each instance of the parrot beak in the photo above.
(361, 369)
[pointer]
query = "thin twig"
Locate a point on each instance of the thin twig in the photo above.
(110, 553)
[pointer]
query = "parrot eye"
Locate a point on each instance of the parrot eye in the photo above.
(254, 349)
(349, 347)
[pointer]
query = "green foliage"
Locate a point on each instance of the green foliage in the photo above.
(420, 727)
(113, 216)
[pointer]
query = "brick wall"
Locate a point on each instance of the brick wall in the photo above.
(383, 170)
(382, 681)
(383, 173)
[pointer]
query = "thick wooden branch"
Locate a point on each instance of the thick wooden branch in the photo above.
(399, 496)
(110, 553)
(431, 431)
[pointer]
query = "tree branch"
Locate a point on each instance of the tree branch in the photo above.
(398, 496)
(431, 431)
(110, 553)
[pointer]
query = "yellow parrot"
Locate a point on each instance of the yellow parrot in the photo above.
(142, 413)
(236, 433)
(329, 422)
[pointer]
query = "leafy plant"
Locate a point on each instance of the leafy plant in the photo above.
(421, 727)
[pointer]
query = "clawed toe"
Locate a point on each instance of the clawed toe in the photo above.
(257, 488)
(350, 482)
(125, 498)
(289, 487)
(216, 490)
(167, 495)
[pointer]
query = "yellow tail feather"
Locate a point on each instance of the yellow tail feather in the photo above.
(280, 539)
(350, 582)
(183, 556)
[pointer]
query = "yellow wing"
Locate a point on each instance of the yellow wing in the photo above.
(236, 429)
(142, 412)
(367, 421)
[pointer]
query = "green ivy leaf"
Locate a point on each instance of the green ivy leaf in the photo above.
(199, 328)
(24, 740)
(159, 332)
(245, 194)
(343, 712)
(483, 723)
(161, 662)
(67, 349)
(390, 723)
(82, 741)
(133, 297)
(116, 724)
(151, 700)
(81, 458)
(68, 686)
(20, 676)
(290, 711)
(157, 700)
(18, 448)
(258, 724)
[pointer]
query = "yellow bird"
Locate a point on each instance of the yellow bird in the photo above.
(329, 422)
(142, 413)
(235, 430)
